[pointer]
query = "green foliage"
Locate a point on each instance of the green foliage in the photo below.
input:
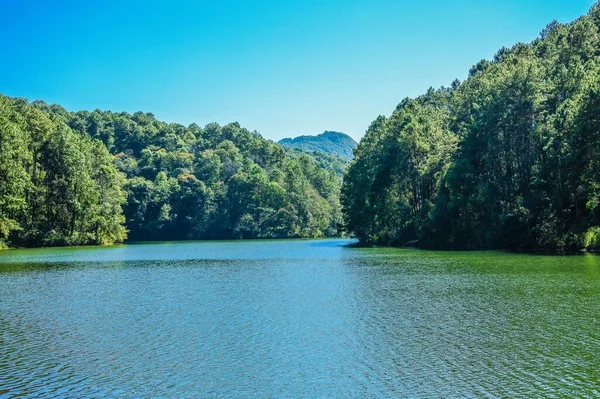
(221, 182)
(334, 143)
(592, 239)
(57, 187)
(507, 159)
(100, 177)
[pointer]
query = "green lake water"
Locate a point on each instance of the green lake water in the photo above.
(296, 318)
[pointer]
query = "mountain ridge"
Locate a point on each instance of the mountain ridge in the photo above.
(329, 142)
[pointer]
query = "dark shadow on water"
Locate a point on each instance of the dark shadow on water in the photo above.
(539, 252)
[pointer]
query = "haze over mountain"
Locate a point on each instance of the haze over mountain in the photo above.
(329, 142)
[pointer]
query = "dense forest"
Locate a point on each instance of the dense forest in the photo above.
(507, 159)
(75, 178)
(334, 143)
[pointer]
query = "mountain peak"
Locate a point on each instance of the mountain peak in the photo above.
(329, 142)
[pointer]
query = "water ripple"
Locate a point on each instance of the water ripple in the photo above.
(296, 319)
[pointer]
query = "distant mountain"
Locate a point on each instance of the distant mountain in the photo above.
(336, 143)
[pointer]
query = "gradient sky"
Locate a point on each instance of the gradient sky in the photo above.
(283, 68)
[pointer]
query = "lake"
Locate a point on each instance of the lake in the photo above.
(296, 318)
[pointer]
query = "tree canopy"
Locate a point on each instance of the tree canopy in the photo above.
(72, 178)
(509, 158)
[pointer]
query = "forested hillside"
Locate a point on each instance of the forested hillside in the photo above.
(334, 143)
(101, 177)
(509, 158)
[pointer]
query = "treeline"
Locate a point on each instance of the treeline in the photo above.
(507, 159)
(101, 177)
(57, 187)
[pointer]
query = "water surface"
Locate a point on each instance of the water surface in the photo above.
(296, 319)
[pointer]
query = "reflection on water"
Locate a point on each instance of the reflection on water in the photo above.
(296, 318)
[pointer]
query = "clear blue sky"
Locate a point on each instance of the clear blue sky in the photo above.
(283, 68)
